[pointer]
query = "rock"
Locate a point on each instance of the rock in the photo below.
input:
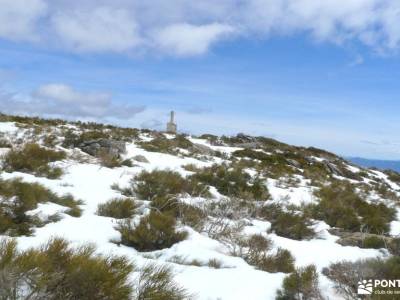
(250, 145)
(141, 158)
(203, 149)
(356, 239)
(294, 163)
(333, 169)
(110, 147)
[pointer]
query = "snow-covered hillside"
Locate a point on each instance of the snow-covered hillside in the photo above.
(207, 262)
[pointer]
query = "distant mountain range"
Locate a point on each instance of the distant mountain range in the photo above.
(380, 164)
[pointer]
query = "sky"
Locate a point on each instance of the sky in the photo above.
(306, 72)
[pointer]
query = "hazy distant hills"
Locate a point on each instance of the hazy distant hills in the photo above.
(380, 164)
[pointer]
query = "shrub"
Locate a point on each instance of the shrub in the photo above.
(109, 160)
(165, 145)
(293, 226)
(117, 208)
(34, 159)
(256, 254)
(163, 183)
(373, 242)
(345, 274)
(154, 232)
(56, 271)
(233, 182)
(301, 284)
(20, 197)
(157, 283)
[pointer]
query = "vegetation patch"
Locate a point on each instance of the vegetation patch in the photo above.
(34, 159)
(340, 206)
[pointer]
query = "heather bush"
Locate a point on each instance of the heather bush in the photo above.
(233, 182)
(57, 271)
(301, 284)
(154, 232)
(117, 208)
(156, 283)
(17, 198)
(165, 145)
(340, 206)
(34, 159)
(164, 183)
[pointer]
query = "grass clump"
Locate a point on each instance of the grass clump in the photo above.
(301, 284)
(34, 159)
(154, 232)
(17, 198)
(117, 208)
(57, 271)
(340, 206)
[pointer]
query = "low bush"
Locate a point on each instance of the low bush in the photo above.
(163, 144)
(154, 232)
(232, 182)
(301, 284)
(290, 224)
(57, 271)
(256, 253)
(34, 159)
(346, 274)
(164, 183)
(17, 198)
(156, 283)
(340, 206)
(117, 208)
(373, 242)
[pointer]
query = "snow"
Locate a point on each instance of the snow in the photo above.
(235, 280)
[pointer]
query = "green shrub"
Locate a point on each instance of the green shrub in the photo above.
(256, 254)
(156, 283)
(373, 242)
(301, 284)
(163, 144)
(233, 182)
(20, 197)
(117, 208)
(56, 271)
(340, 206)
(293, 226)
(34, 159)
(163, 183)
(154, 232)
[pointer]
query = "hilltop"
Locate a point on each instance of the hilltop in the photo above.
(227, 217)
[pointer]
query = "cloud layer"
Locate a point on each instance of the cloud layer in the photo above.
(60, 100)
(187, 28)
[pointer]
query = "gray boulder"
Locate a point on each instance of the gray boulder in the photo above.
(140, 158)
(202, 149)
(110, 147)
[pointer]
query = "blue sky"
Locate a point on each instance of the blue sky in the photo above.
(299, 71)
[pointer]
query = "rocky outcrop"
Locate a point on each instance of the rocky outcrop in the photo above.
(333, 169)
(141, 158)
(202, 149)
(110, 147)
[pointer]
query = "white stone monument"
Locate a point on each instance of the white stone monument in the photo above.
(171, 125)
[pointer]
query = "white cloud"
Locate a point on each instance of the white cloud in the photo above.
(99, 30)
(181, 27)
(187, 40)
(61, 100)
(18, 18)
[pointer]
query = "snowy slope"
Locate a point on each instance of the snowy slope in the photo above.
(92, 183)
